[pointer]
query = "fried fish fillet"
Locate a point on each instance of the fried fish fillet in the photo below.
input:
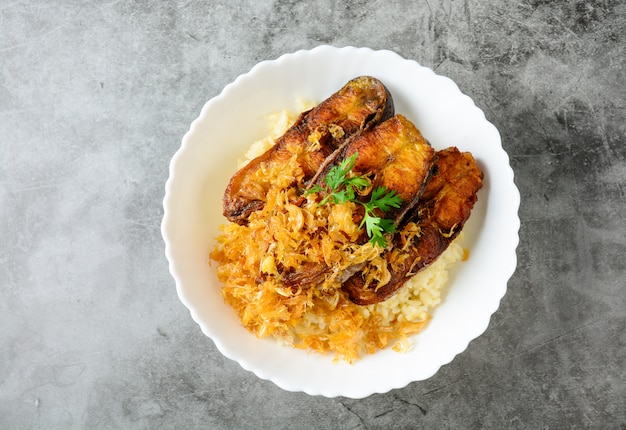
(429, 228)
(395, 155)
(358, 105)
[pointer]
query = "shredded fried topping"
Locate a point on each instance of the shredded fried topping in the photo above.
(291, 232)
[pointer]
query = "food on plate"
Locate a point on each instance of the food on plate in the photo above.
(340, 242)
(430, 227)
(392, 156)
(317, 133)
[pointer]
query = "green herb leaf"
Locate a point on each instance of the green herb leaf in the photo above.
(341, 188)
(385, 199)
(336, 177)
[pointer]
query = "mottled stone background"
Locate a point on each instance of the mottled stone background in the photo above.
(94, 99)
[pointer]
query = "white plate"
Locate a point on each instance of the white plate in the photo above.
(226, 127)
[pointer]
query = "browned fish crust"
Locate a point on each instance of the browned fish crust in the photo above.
(362, 103)
(394, 154)
(430, 227)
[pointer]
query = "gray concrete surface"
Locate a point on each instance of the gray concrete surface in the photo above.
(94, 99)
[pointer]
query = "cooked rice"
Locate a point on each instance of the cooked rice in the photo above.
(319, 318)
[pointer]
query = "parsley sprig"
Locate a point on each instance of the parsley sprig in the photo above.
(341, 187)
